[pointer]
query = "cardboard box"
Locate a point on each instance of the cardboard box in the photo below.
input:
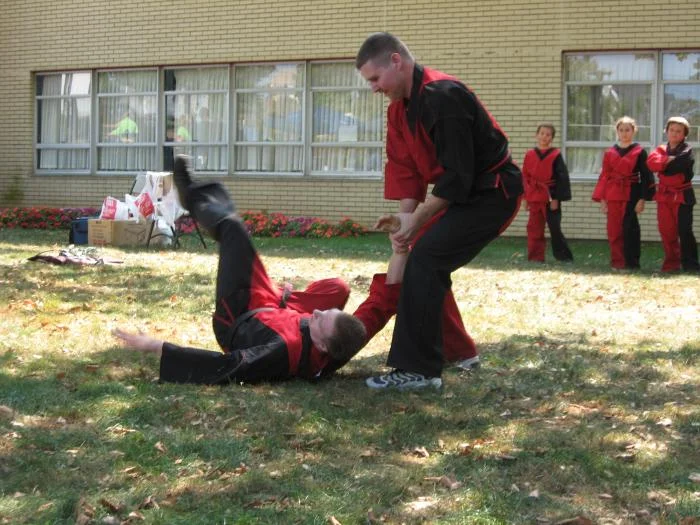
(130, 233)
(99, 232)
(118, 233)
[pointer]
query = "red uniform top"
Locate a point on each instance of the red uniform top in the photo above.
(545, 176)
(674, 176)
(622, 170)
(444, 135)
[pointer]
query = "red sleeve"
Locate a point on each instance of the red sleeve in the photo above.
(599, 190)
(657, 159)
(401, 178)
(527, 175)
(379, 306)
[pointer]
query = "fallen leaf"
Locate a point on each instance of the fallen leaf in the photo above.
(695, 476)
(465, 449)
(578, 520)
(134, 515)
(333, 521)
(149, 503)
(446, 481)
(421, 452)
(160, 447)
(111, 520)
(367, 453)
(628, 457)
(6, 412)
(665, 422)
(534, 494)
(605, 496)
(114, 507)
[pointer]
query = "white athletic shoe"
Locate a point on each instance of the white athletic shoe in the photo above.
(468, 364)
(403, 380)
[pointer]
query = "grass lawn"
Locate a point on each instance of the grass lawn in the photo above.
(586, 408)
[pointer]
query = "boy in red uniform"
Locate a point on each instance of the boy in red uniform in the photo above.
(265, 334)
(624, 184)
(546, 180)
(438, 132)
(675, 197)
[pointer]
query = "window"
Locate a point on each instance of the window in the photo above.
(599, 90)
(63, 121)
(681, 90)
(346, 136)
(196, 110)
(647, 86)
(300, 118)
(270, 118)
(127, 103)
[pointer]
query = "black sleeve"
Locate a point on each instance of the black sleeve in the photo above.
(448, 117)
(646, 177)
(192, 365)
(561, 190)
(682, 163)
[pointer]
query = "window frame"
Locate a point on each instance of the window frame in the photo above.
(657, 84)
(38, 146)
(310, 144)
(233, 140)
(163, 116)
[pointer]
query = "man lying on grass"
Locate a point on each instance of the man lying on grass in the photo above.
(265, 333)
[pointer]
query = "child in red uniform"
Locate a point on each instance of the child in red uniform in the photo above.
(546, 181)
(624, 184)
(675, 197)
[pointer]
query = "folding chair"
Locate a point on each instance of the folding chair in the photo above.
(167, 206)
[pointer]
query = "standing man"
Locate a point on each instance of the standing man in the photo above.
(438, 133)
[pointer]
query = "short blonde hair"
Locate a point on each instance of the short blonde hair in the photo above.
(626, 120)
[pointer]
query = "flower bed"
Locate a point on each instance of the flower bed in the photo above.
(260, 224)
(263, 224)
(43, 218)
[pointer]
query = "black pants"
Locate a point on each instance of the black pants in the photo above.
(689, 246)
(631, 235)
(452, 242)
(560, 248)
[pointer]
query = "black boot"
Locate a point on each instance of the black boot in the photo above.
(208, 202)
(182, 176)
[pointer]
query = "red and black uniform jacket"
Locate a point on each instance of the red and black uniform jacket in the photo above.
(545, 176)
(624, 175)
(675, 177)
(444, 135)
(273, 344)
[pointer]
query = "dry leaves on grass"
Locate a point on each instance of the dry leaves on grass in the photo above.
(446, 481)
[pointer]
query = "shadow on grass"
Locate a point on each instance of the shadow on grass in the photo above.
(553, 412)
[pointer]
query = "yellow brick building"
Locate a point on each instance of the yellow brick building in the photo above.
(68, 68)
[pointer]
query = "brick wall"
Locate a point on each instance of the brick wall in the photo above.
(508, 51)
